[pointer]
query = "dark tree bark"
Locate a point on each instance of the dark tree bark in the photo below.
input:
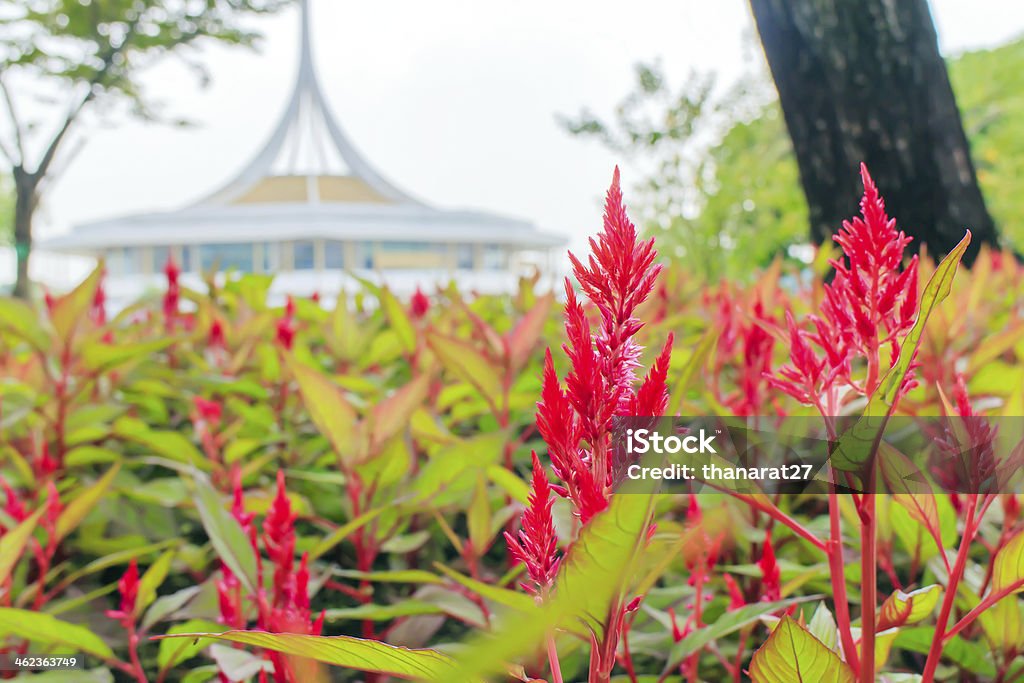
(863, 80)
(25, 201)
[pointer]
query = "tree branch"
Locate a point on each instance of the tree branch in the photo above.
(15, 124)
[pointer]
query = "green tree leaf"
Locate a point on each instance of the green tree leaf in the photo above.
(469, 365)
(332, 414)
(791, 654)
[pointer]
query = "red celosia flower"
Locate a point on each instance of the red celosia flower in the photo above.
(229, 598)
(770, 586)
(173, 293)
(871, 303)
(215, 338)
(279, 536)
(736, 599)
(14, 507)
(419, 305)
(576, 422)
(535, 544)
(209, 411)
(98, 312)
(129, 589)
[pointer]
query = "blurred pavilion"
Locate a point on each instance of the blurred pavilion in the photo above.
(308, 208)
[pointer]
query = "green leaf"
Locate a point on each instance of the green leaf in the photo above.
(596, 573)
(908, 608)
(342, 532)
(478, 517)
(398, 319)
(69, 310)
(19, 319)
(792, 654)
(855, 446)
(332, 414)
(391, 415)
(353, 653)
(975, 657)
(48, 630)
(823, 626)
(173, 651)
(523, 338)
(517, 600)
(728, 623)
(1009, 565)
(13, 543)
(166, 605)
(152, 580)
(226, 535)
(693, 365)
(469, 365)
(172, 445)
(83, 503)
(99, 356)
(405, 608)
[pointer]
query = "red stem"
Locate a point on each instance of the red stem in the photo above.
(935, 651)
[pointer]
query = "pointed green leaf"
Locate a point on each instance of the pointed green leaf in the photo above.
(398, 319)
(48, 630)
(226, 535)
(352, 653)
(13, 543)
(332, 414)
(908, 608)
(1009, 565)
(469, 365)
(792, 655)
(75, 511)
(523, 338)
(151, 581)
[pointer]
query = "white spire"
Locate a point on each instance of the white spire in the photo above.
(307, 140)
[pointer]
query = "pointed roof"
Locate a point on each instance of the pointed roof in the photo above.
(305, 143)
(307, 182)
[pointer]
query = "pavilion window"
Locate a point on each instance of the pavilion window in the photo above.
(334, 255)
(304, 255)
(365, 255)
(226, 257)
(187, 258)
(464, 257)
(160, 257)
(126, 261)
(494, 257)
(271, 258)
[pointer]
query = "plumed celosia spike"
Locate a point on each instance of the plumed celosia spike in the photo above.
(419, 304)
(652, 397)
(535, 545)
(279, 537)
(770, 586)
(736, 599)
(53, 505)
(14, 507)
(128, 587)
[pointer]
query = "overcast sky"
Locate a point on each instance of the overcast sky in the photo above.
(453, 100)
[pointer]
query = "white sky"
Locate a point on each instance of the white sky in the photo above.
(453, 100)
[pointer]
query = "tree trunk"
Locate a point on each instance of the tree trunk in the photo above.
(863, 80)
(24, 207)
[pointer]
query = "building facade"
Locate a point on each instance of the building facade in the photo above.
(311, 210)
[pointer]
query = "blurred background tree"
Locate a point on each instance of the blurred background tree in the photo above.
(724, 190)
(86, 56)
(863, 81)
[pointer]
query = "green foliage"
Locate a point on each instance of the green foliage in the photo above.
(722, 190)
(404, 444)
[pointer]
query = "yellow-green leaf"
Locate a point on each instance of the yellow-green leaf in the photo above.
(398, 319)
(1009, 566)
(71, 308)
(908, 608)
(392, 414)
(524, 336)
(79, 507)
(13, 544)
(469, 365)
(352, 653)
(792, 654)
(48, 630)
(151, 580)
(226, 535)
(332, 414)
